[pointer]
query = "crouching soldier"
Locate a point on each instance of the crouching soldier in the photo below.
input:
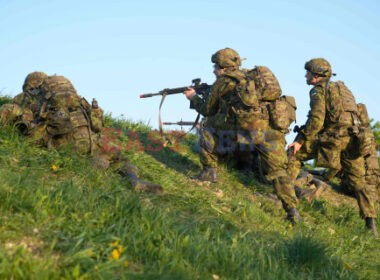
(331, 135)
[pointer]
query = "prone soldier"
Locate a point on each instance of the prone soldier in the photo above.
(61, 117)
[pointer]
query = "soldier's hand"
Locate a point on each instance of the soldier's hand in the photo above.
(296, 147)
(190, 93)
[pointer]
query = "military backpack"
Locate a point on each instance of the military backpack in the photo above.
(280, 110)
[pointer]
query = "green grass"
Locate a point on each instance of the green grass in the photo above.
(66, 223)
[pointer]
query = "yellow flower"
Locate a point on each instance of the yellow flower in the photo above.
(114, 243)
(125, 264)
(348, 266)
(290, 226)
(115, 255)
(68, 158)
(243, 214)
(168, 209)
(54, 167)
(89, 252)
(120, 249)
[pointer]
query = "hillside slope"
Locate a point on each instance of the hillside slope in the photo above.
(62, 218)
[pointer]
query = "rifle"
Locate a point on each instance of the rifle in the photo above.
(181, 123)
(202, 89)
(298, 129)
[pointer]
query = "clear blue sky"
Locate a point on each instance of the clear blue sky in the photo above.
(116, 50)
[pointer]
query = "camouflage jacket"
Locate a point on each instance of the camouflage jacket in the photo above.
(218, 104)
(28, 101)
(325, 113)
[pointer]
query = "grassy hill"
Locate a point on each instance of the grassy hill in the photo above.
(62, 218)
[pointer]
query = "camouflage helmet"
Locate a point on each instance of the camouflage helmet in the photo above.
(34, 81)
(319, 66)
(226, 58)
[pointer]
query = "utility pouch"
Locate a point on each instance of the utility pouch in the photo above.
(364, 141)
(283, 112)
(60, 123)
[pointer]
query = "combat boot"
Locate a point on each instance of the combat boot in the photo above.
(143, 186)
(293, 216)
(371, 225)
(208, 174)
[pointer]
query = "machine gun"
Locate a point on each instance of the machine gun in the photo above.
(202, 89)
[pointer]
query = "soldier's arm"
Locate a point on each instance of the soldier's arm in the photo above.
(209, 107)
(316, 116)
(19, 99)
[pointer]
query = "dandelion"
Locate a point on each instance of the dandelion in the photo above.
(115, 254)
(168, 209)
(120, 249)
(114, 243)
(54, 167)
(125, 263)
(348, 265)
(290, 226)
(68, 159)
(243, 214)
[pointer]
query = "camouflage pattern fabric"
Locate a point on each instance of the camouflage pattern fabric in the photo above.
(319, 66)
(236, 127)
(326, 138)
(226, 58)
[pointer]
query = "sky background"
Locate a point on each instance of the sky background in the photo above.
(116, 50)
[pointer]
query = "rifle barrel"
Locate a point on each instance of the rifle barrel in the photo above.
(178, 123)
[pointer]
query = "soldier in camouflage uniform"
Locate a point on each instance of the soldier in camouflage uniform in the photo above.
(230, 122)
(61, 117)
(330, 133)
(371, 162)
(24, 110)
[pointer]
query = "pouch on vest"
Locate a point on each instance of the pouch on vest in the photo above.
(372, 162)
(329, 151)
(60, 123)
(245, 89)
(95, 115)
(363, 115)
(267, 86)
(97, 119)
(364, 140)
(283, 112)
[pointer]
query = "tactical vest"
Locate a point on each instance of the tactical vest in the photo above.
(341, 108)
(363, 115)
(65, 112)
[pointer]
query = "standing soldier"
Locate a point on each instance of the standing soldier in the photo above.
(233, 115)
(331, 135)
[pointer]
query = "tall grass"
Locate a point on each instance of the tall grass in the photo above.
(62, 218)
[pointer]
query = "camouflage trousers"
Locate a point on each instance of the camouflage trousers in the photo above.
(268, 143)
(342, 156)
